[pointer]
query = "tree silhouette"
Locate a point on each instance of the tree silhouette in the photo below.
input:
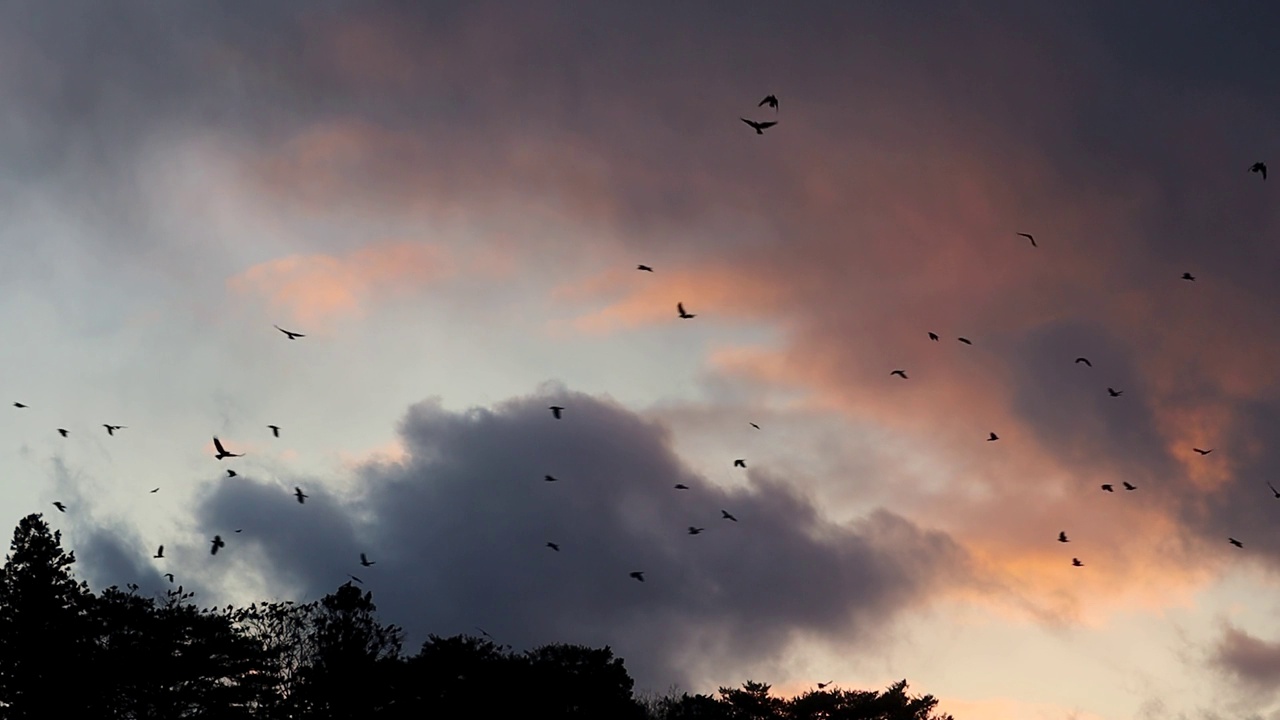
(46, 628)
(574, 681)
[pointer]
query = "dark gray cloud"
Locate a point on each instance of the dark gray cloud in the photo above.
(1249, 659)
(458, 532)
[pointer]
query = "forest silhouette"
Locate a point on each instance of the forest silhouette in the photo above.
(67, 652)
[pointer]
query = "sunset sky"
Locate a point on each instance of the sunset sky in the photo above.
(449, 199)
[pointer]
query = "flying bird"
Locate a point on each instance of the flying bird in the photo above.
(159, 553)
(217, 543)
(695, 530)
(770, 100)
(1114, 393)
(364, 561)
(754, 425)
(222, 452)
(231, 473)
(1075, 562)
(1188, 276)
(553, 546)
(60, 506)
(297, 492)
(639, 575)
(683, 314)
(1235, 542)
(645, 268)
(933, 337)
(1203, 452)
(1274, 491)
(19, 405)
(153, 492)
(993, 437)
(169, 576)
(724, 515)
(1259, 167)
(548, 478)
(62, 432)
(1084, 360)
(353, 577)
(900, 373)
(1108, 487)
(275, 430)
(1062, 536)
(111, 429)
(289, 334)
(682, 486)
(556, 410)
(1129, 486)
(822, 686)
(759, 126)
(1029, 237)
(966, 341)
(740, 462)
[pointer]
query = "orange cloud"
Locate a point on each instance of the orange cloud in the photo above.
(315, 288)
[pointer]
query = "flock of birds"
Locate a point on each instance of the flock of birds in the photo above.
(557, 411)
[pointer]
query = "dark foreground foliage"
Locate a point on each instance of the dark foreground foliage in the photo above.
(66, 652)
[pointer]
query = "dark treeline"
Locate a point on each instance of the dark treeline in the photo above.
(66, 652)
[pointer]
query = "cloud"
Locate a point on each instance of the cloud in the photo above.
(1249, 659)
(458, 528)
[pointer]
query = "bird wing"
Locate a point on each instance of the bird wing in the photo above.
(218, 444)
(766, 124)
(752, 124)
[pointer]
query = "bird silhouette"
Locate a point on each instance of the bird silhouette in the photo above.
(1028, 236)
(1235, 542)
(933, 337)
(822, 686)
(682, 313)
(556, 410)
(769, 100)
(19, 405)
(1075, 562)
(724, 515)
(1129, 486)
(1259, 167)
(1203, 452)
(966, 341)
(1108, 487)
(1062, 536)
(1188, 276)
(289, 334)
(62, 432)
(231, 473)
(111, 429)
(275, 430)
(222, 452)
(154, 491)
(60, 506)
(548, 478)
(900, 373)
(353, 577)
(754, 425)
(639, 575)
(169, 576)
(1084, 360)
(217, 543)
(1114, 393)
(993, 437)
(159, 553)
(645, 268)
(553, 546)
(740, 462)
(297, 492)
(695, 530)
(364, 561)
(1274, 491)
(681, 486)
(760, 126)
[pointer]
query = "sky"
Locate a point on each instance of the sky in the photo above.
(449, 201)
